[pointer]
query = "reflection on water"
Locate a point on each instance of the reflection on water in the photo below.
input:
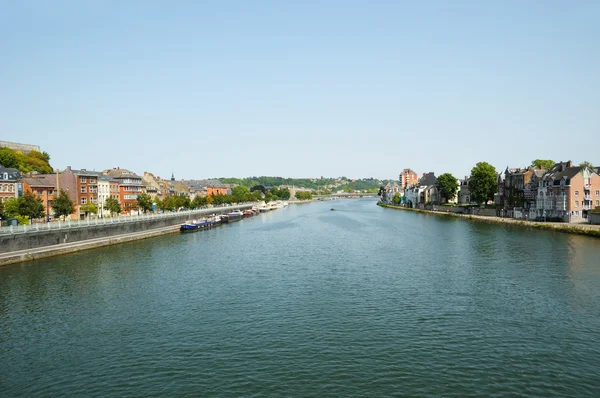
(303, 301)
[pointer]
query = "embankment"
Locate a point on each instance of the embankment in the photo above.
(35, 243)
(579, 229)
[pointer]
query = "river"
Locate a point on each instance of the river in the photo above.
(308, 302)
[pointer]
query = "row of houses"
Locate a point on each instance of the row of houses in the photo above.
(564, 192)
(87, 186)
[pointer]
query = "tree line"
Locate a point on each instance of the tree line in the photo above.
(25, 163)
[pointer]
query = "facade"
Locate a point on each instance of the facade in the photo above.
(530, 192)
(152, 185)
(10, 184)
(568, 193)
(81, 186)
(43, 186)
(408, 178)
(130, 186)
(108, 187)
(423, 192)
(464, 194)
(389, 190)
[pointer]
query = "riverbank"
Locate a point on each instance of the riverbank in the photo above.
(579, 229)
(65, 248)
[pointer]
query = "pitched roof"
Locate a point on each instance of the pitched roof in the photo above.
(12, 173)
(41, 180)
(428, 179)
(121, 173)
(197, 184)
(568, 172)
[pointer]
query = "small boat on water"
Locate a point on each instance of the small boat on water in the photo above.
(264, 209)
(233, 216)
(248, 213)
(193, 226)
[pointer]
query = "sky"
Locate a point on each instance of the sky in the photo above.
(301, 88)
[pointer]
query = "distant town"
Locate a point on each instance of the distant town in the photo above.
(545, 190)
(30, 189)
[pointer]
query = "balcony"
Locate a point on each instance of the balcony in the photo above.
(587, 186)
(587, 197)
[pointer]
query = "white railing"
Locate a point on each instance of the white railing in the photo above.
(68, 224)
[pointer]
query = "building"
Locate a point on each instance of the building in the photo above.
(130, 186)
(530, 192)
(568, 193)
(81, 186)
(422, 192)
(152, 186)
(408, 178)
(24, 148)
(206, 187)
(515, 180)
(464, 193)
(43, 186)
(10, 185)
(108, 187)
(390, 190)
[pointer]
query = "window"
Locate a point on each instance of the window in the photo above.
(40, 192)
(576, 203)
(597, 193)
(83, 189)
(598, 203)
(49, 203)
(576, 193)
(83, 201)
(92, 180)
(5, 176)
(82, 179)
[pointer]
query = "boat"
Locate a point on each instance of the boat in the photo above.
(285, 204)
(193, 226)
(248, 213)
(332, 209)
(232, 216)
(264, 209)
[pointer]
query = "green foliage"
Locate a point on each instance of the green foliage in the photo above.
(543, 163)
(22, 220)
(596, 210)
(182, 201)
(396, 199)
(112, 205)
(366, 185)
(303, 195)
(586, 164)
(28, 205)
(1, 209)
(483, 183)
(88, 208)
(257, 195)
(260, 188)
(63, 205)
(279, 194)
(33, 161)
(447, 185)
(144, 202)
(199, 201)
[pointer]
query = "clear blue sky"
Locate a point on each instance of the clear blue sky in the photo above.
(301, 88)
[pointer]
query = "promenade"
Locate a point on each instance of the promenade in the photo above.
(574, 228)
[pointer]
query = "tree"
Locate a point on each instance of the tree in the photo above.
(112, 205)
(543, 163)
(1, 209)
(483, 182)
(88, 208)
(26, 206)
(182, 201)
(586, 164)
(257, 195)
(303, 195)
(144, 202)
(240, 193)
(11, 207)
(199, 201)
(260, 188)
(447, 185)
(63, 205)
(396, 199)
(158, 203)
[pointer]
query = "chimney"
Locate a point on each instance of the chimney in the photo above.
(569, 163)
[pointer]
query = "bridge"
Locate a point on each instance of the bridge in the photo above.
(345, 195)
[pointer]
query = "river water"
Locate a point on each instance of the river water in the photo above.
(308, 302)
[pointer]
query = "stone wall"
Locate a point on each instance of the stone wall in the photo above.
(25, 148)
(42, 238)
